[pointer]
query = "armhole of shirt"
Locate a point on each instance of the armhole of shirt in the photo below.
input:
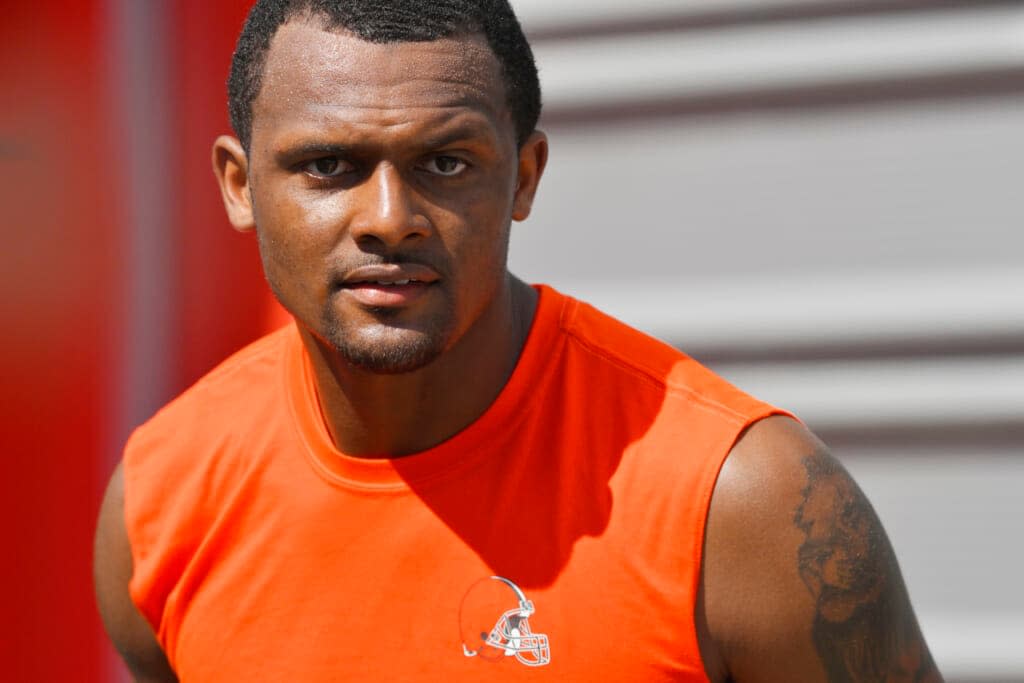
(708, 483)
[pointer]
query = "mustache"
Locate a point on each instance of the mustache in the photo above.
(435, 262)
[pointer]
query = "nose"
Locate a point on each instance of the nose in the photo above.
(386, 210)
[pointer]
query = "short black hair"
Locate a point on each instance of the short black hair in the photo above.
(389, 21)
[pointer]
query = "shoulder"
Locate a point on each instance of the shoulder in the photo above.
(799, 579)
(200, 437)
(253, 369)
(233, 392)
(179, 465)
(616, 341)
(682, 419)
(672, 373)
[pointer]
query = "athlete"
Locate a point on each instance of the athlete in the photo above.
(440, 472)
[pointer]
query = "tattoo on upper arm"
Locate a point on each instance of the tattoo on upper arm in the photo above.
(864, 628)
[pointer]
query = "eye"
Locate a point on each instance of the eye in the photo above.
(445, 165)
(327, 167)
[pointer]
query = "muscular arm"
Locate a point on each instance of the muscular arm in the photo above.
(800, 582)
(112, 569)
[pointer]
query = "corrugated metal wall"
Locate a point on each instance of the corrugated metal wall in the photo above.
(821, 199)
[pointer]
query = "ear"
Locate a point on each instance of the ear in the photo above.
(231, 166)
(533, 156)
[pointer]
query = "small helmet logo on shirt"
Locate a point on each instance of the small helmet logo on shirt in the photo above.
(494, 624)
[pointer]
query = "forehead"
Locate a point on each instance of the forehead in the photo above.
(317, 76)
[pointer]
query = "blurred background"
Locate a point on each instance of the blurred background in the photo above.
(818, 198)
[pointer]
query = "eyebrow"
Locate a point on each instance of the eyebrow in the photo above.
(462, 131)
(466, 130)
(310, 149)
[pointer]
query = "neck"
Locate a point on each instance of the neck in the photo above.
(379, 415)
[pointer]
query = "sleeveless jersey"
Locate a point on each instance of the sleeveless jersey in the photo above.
(261, 553)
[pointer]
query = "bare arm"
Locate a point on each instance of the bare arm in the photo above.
(112, 569)
(800, 582)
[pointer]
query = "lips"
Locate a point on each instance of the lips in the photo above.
(389, 285)
(390, 274)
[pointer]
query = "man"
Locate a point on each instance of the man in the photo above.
(441, 473)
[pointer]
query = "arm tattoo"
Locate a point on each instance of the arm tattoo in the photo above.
(864, 628)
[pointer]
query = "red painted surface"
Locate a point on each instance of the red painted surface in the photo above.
(221, 293)
(63, 277)
(59, 269)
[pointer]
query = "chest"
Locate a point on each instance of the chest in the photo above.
(336, 588)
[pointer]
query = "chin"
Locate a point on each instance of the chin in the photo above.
(388, 351)
(389, 360)
(386, 341)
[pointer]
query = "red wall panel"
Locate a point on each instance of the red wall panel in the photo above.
(63, 273)
(59, 268)
(221, 293)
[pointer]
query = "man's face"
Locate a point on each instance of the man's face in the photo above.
(383, 179)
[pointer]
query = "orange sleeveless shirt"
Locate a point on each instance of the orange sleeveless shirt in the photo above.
(261, 553)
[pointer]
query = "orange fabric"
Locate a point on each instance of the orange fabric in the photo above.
(263, 554)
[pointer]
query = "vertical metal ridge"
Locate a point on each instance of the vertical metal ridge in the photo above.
(142, 80)
(137, 39)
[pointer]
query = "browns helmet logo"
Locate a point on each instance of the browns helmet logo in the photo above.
(494, 624)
